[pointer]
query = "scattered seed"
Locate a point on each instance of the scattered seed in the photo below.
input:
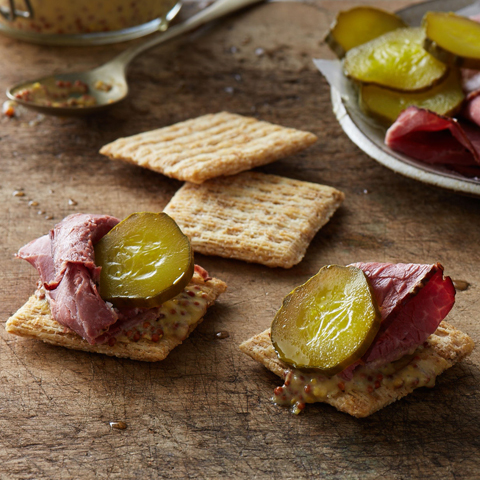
(460, 285)
(221, 335)
(118, 425)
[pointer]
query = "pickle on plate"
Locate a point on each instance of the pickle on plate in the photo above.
(453, 39)
(327, 323)
(396, 60)
(360, 25)
(145, 259)
(446, 98)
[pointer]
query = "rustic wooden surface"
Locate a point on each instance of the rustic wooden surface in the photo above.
(205, 412)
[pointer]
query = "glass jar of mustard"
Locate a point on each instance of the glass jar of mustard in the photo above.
(84, 22)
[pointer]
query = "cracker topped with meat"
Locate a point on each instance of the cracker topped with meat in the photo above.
(68, 310)
(403, 344)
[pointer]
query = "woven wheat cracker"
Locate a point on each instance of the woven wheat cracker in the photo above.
(34, 320)
(209, 146)
(445, 347)
(253, 216)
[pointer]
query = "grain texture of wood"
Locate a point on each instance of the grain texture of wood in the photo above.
(205, 412)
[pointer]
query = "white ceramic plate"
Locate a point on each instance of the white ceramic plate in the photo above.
(369, 135)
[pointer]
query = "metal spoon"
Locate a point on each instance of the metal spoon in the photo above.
(113, 73)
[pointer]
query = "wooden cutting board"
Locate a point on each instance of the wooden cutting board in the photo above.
(205, 412)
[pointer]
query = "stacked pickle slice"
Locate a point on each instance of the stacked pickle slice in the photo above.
(395, 66)
(327, 323)
(145, 260)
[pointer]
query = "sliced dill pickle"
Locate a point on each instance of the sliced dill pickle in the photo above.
(327, 323)
(360, 25)
(446, 98)
(396, 60)
(145, 259)
(453, 39)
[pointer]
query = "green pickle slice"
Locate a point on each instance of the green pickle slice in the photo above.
(453, 39)
(145, 259)
(446, 98)
(360, 25)
(327, 323)
(396, 60)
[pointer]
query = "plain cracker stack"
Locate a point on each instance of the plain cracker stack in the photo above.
(253, 216)
(209, 146)
(446, 346)
(34, 320)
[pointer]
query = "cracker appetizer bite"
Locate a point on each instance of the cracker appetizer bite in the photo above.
(127, 289)
(362, 336)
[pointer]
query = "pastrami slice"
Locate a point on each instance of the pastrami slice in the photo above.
(393, 283)
(72, 242)
(433, 138)
(76, 304)
(413, 323)
(65, 260)
(413, 299)
(470, 80)
(471, 109)
(38, 253)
